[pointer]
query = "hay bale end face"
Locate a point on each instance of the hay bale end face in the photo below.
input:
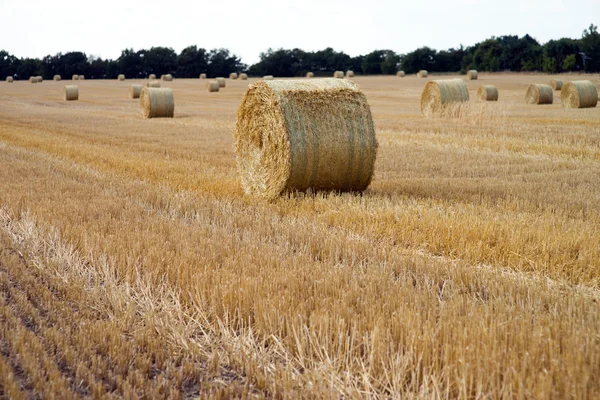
(400, 74)
(487, 93)
(153, 84)
(121, 77)
(75, 77)
(243, 77)
(233, 75)
(539, 94)
(338, 74)
(579, 94)
(472, 75)
(157, 103)
(349, 74)
(422, 74)
(221, 81)
(268, 78)
(151, 76)
(556, 84)
(441, 93)
(10, 79)
(296, 135)
(71, 93)
(310, 75)
(134, 91)
(202, 76)
(57, 78)
(212, 86)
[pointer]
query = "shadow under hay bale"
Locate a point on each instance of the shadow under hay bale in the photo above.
(440, 93)
(487, 93)
(71, 93)
(157, 103)
(579, 94)
(539, 94)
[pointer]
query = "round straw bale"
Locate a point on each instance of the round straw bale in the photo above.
(212, 86)
(33, 79)
(338, 74)
(121, 77)
(202, 76)
(487, 93)
(310, 75)
(295, 135)
(153, 84)
(157, 103)
(134, 91)
(233, 75)
(472, 75)
(75, 77)
(422, 74)
(57, 77)
(268, 78)
(221, 82)
(81, 77)
(400, 74)
(40, 79)
(152, 76)
(349, 74)
(168, 77)
(556, 84)
(440, 93)
(243, 77)
(71, 92)
(9, 79)
(579, 94)
(539, 94)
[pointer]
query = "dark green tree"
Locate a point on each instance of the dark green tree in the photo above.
(590, 47)
(191, 62)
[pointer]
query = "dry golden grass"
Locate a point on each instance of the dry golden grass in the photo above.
(133, 265)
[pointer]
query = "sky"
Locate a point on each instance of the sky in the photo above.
(103, 28)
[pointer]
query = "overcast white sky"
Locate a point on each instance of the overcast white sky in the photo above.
(37, 28)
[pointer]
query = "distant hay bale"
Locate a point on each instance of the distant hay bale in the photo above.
(75, 77)
(157, 103)
(268, 78)
(33, 79)
(167, 77)
(57, 78)
(81, 77)
(121, 77)
(539, 94)
(233, 75)
(472, 75)
(221, 81)
(212, 86)
(441, 93)
(134, 91)
(71, 92)
(579, 94)
(10, 79)
(153, 84)
(152, 76)
(422, 74)
(296, 135)
(310, 75)
(202, 76)
(40, 79)
(349, 74)
(243, 77)
(400, 74)
(487, 93)
(556, 84)
(338, 74)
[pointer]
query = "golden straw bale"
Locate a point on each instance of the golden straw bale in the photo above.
(556, 84)
(243, 77)
(472, 75)
(81, 77)
(33, 79)
(422, 74)
(57, 78)
(349, 74)
(268, 78)
(10, 79)
(40, 79)
(310, 75)
(75, 77)
(579, 94)
(233, 75)
(212, 86)
(202, 76)
(487, 93)
(153, 84)
(71, 92)
(400, 74)
(296, 135)
(438, 94)
(338, 74)
(539, 94)
(157, 103)
(121, 77)
(151, 76)
(167, 77)
(134, 91)
(221, 81)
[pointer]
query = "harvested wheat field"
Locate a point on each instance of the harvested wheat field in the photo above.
(133, 265)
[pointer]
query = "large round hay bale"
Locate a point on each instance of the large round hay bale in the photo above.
(310, 75)
(472, 74)
(422, 74)
(33, 79)
(487, 93)
(579, 94)
(221, 81)
(212, 86)
(56, 78)
(71, 92)
(539, 94)
(295, 135)
(75, 77)
(157, 103)
(438, 94)
(243, 77)
(202, 76)
(349, 74)
(166, 77)
(268, 78)
(134, 91)
(338, 74)
(400, 74)
(10, 79)
(556, 84)
(81, 77)
(151, 76)
(153, 84)
(121, 77)
(233, 75)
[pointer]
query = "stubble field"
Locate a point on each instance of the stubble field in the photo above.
(132, 264)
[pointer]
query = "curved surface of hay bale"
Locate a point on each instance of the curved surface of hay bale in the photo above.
(295, 135)
(472, 74)
(71, 92)
(539, 94)
(212, 86)
(153, 84)
(157, 103)
(152, 76)
(167, 77)
(310, 75)
(233, 75)
(33, 79)
(243, 77)
(221, 81)
(487, 93)
(400, 74)
(422, 74)
(349, 74)
(556, 84)
(81, 77)
(338, 74)
(121, 77)
(268, 78)
(40, 79)
(202, 76)
(10, 79)
(579, 94)
(134, 91)
(438, 94)
(56, 78)
(75, 77)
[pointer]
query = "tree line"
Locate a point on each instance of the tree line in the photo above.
(504, 53)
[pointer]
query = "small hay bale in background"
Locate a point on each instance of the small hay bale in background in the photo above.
(579, 94)
(268, 78)
(212, 86)
(75, 77)
(438, 94)
(40, 79)
(134, 91)
(33, 79)
(539, 94)
(167, 77)
(233, 75)
(338, 74)
(81, 77)
(349, 74)
(556, 84)
(243, 77)
(151, 76)
(71, 92)
(472, 75)
(153, 84)
(310, 75)
(157, 103)
(295, 135)
(121, 77)
(202, 76)
(487, 93)
(10, 79)
(422, 74)
(400, 74)
(57, 78)
(221, 82)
